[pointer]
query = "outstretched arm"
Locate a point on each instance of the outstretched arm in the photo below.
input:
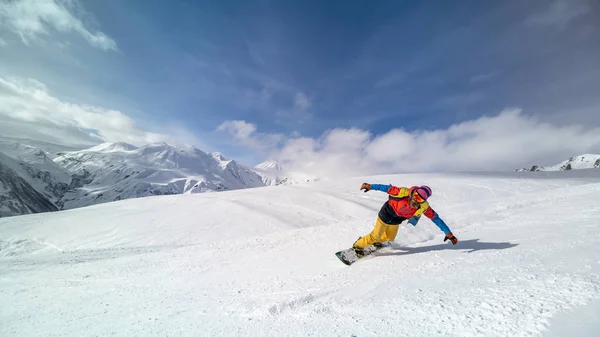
(441, 224)
(431, 214)
(367, 187)
(381, 187)
(389, 189)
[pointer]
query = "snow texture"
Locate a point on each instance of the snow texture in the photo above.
(260, 262)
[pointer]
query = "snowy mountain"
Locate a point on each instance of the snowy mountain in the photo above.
(273, 173)
(270, 171)
(17, 195)
(18, 146)
(584, 161)
(526, 264)
(117, 171)
(121, 171)
(37, 168)
(269, 165)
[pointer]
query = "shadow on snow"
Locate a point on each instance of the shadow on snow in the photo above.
(469, 245)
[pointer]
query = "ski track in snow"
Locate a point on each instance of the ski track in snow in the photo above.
(261, 262)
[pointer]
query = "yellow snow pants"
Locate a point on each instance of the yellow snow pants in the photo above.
(382, 232)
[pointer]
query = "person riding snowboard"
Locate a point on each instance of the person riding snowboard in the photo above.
(403, 203)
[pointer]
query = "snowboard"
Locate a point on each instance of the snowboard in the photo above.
(349, 256)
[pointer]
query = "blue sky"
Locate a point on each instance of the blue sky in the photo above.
(253, 79)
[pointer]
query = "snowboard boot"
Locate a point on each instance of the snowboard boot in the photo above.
(359, 251)
(379, 245)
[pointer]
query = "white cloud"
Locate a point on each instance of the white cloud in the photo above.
(31, 19)
(240, 130)
(27, 109)
(3, 43)
(560, 13)
(245, 134)
(507, 141)
(301, 101)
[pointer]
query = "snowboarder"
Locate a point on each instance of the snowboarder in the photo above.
(403, 203)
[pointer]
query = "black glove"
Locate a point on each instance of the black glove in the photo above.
(366, 187)
(452, 238)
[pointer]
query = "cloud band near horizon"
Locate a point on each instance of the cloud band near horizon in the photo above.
(506, 141)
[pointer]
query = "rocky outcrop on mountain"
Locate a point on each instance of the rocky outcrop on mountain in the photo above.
(52, 187)
(17, 196)
(37, 167)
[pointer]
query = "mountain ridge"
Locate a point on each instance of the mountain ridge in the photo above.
(584, 161)
(116, 171)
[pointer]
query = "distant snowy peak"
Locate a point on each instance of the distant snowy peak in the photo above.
(269, 165)
(121, 171)
(158, 155)
(273, 173)
(14, 147)
(220, 159)
(27, 153)
(116, 171)
(584, 161)
(112, 147)
(270, 171)
(219, 156)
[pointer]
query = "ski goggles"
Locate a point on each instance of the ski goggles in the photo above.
(417, 197)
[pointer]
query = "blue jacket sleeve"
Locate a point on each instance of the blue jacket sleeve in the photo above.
(380, 187)
(441, 224)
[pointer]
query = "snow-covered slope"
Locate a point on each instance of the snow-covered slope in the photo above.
(584, 161)
(117, 171)
(260, 262)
